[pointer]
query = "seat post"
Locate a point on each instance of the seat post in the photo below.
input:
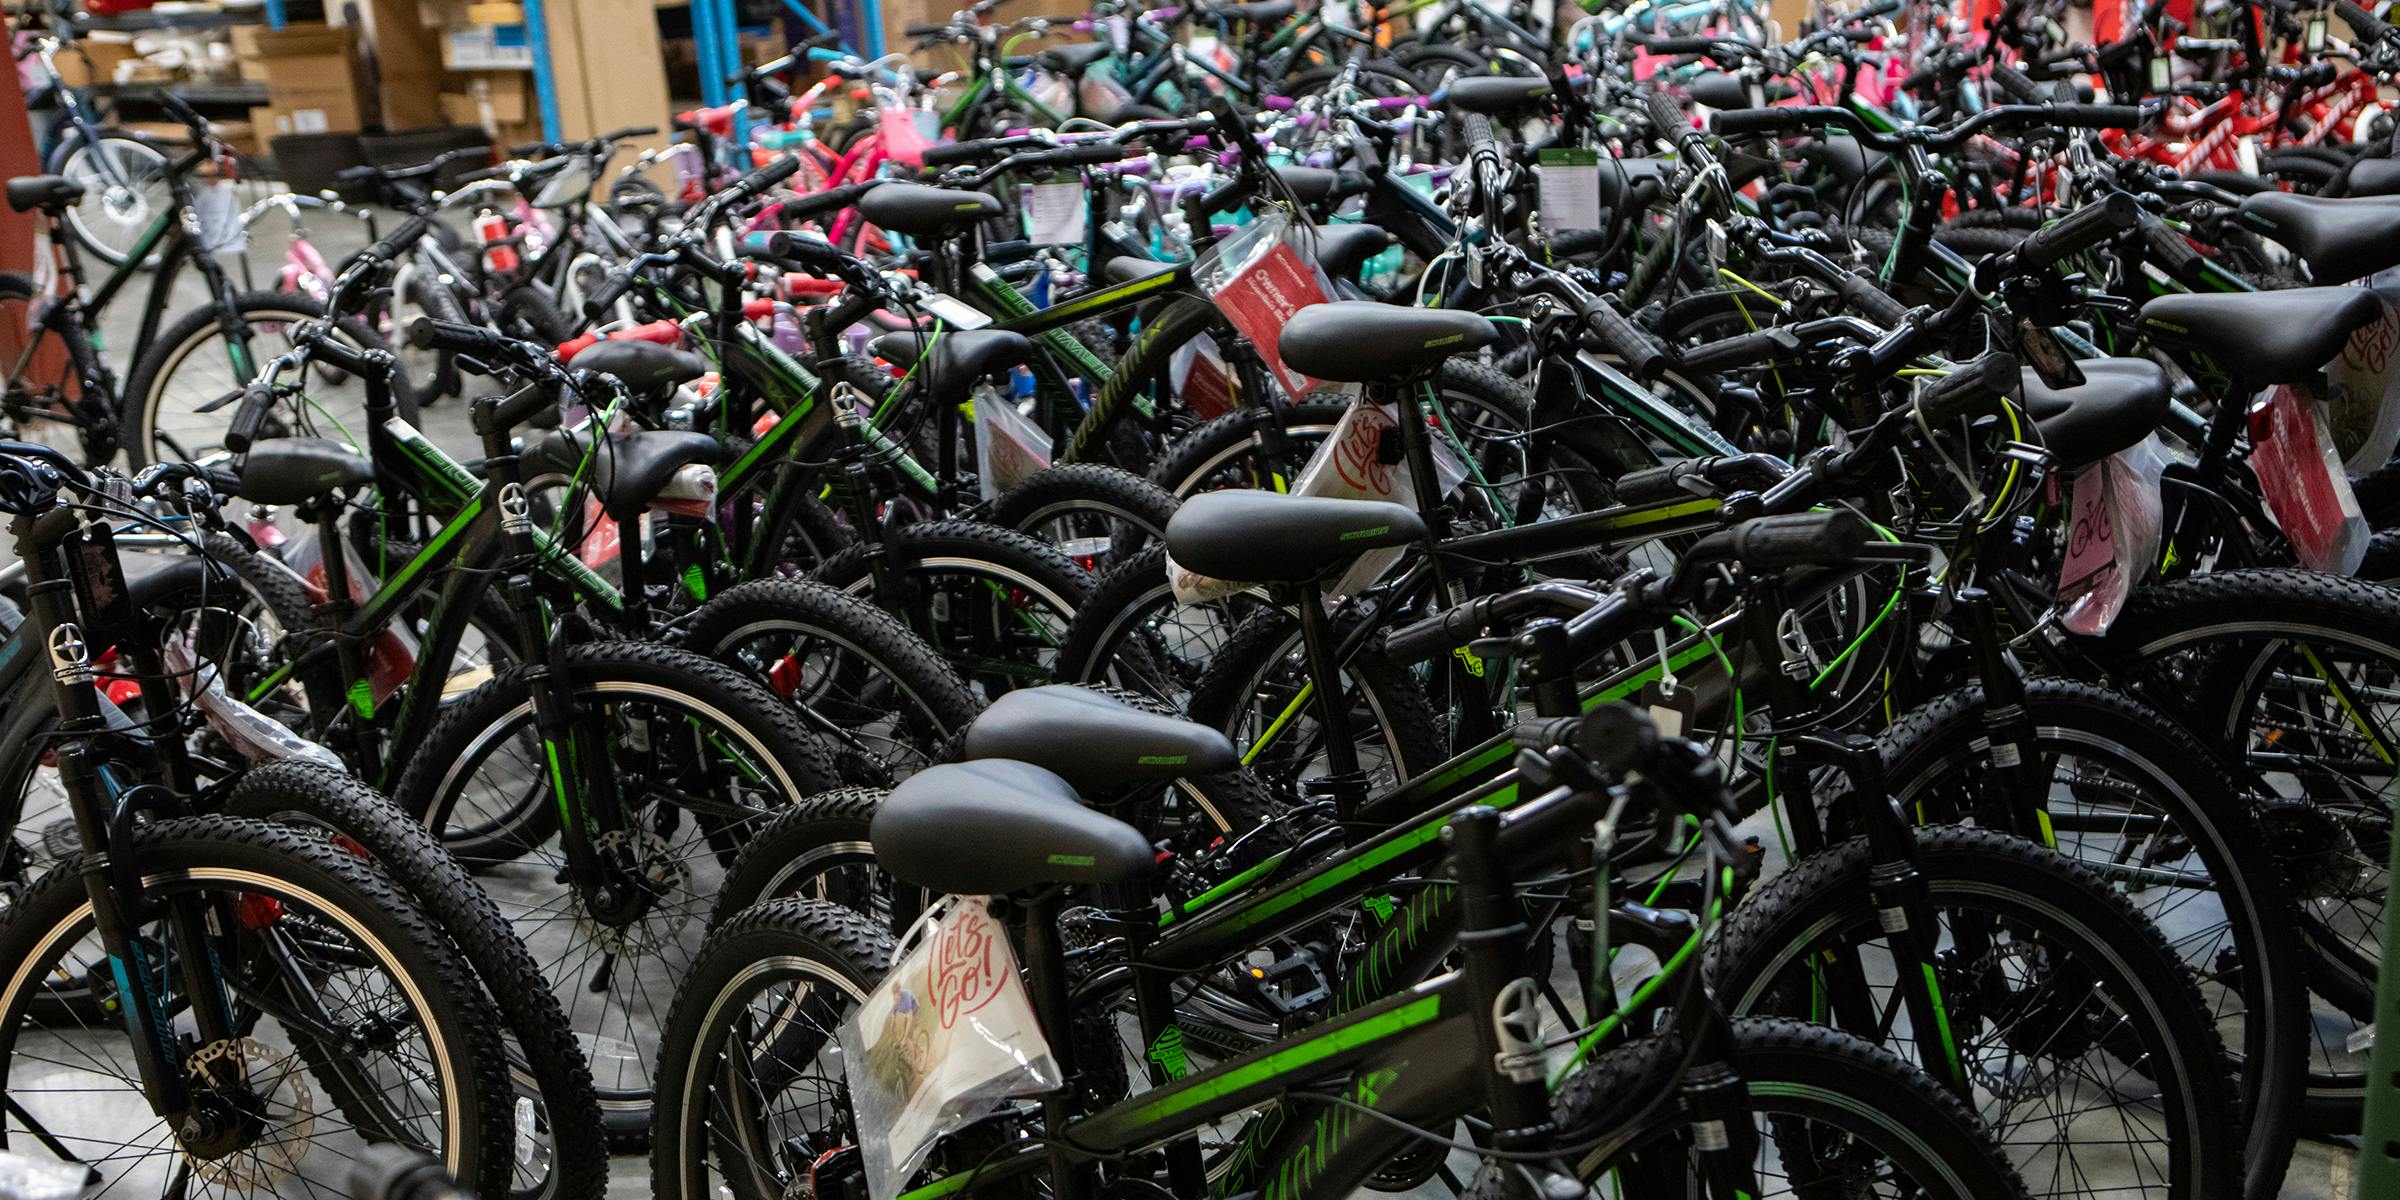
(1053, 1006)
(1347, 783)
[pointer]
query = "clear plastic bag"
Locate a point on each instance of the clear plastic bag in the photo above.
(2362, 398)
(1009, 447)
(2113, 530)
(2300, 472)
(1259, 276)
(253, 734)
(392, 655)
(947, 1038)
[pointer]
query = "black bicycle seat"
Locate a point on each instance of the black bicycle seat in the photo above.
(644, 367)
(1270, 537)
(994, 827)
(1095, 741)
(2340, 239)
(50, 193)
(925, 212)
(296, 470)
(1357, 341)
(2264, 337)
(2119, 402)
(628, 470)
(960, 357)
(1343, 249)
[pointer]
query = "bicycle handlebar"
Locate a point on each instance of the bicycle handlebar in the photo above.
(1744, 122)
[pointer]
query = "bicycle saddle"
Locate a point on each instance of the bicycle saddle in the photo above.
(960, 357)
(1496, 95)
(1093, 740)
(925, 212)
(1075, 59)
(52, 192)
(1269, 537)
(2119, 402)
(2264, 337)
(2339, 239)
(1343, 249)
(295, 470)
(2374, 177)
(1260, 12)
(994, 827)
(1358, 341)
(643, 367)
(1319, 185)
(628, 470)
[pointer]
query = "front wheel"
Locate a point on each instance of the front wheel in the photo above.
(346, 1019)
(194, 362)
(124, 192)
(668, 763)
(1836, 1117)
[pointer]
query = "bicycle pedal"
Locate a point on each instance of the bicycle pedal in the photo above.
(1290, 985)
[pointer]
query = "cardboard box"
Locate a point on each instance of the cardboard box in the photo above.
(508, 93)
(488, 48)
(312, 81)
(104, 52)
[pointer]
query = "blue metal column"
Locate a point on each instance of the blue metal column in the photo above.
(713, 53)
(545, 84)
(274, 14)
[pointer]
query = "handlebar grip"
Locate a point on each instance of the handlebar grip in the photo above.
(396, 243)
(1680, 45)
(758, 181)
(1644, 357)
(529, 149)
(925, 31)
(831, 200)
(1089, 154)
(1740, 350)
(257, 399)
(2363, 23)
(630, 131)
(611, 290)
(1742, 122)
(1666, 116)
(960, 152)
(1861, 292)
(1799, 539)
(1652, 485)
(2012, 81)
(1438, 633)
(1970, 390)
(2172, 250)
(2097, 116)
(2079, 231)
(426, 333)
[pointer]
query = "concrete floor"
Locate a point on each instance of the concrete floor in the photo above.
(2319, 1171)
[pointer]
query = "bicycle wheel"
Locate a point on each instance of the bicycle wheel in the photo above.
(881, 697)
(124, 191)
(352, 1021)
(1224, 453)
(750, 1090)
(39, 406)
(699, 757)
(992, 601)
(558, 1151)
(2296, 676)
(1095, 515)
(191, 364)
(1134, 634)
(1838, 1117)
(1258, 690)
(2088, 1049)
(2149, 809)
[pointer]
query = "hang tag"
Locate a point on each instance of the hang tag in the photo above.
(2316, 35)
(1569, 181)
(1672, 713)
(2162, 74)
(219, 212)
(1055, 211)
(952, 311)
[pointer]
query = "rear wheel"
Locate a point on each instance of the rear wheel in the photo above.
(124, 192)
(193, 363)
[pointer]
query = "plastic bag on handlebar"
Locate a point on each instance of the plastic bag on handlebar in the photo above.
(2115, 520)
(392, 651)
(252, 734)
(220, 214)
(1259, 276)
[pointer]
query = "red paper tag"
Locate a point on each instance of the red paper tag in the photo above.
(1260, 302)
(1206, 389)
(2292, 457)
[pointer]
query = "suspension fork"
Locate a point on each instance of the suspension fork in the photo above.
(52, 620)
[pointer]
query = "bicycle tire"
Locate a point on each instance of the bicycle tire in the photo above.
(203, 325)
(347, 896)
(1413, 736)
(354, 816)
(1032, 578)
(2054, 913)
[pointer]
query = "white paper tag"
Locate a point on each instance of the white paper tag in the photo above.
(220, 214)
(954, 312)
(1570, 189)
(1055, 212)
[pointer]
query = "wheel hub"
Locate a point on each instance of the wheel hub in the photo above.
(255, 1114)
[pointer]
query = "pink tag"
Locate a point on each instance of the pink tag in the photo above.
(2092, 535)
